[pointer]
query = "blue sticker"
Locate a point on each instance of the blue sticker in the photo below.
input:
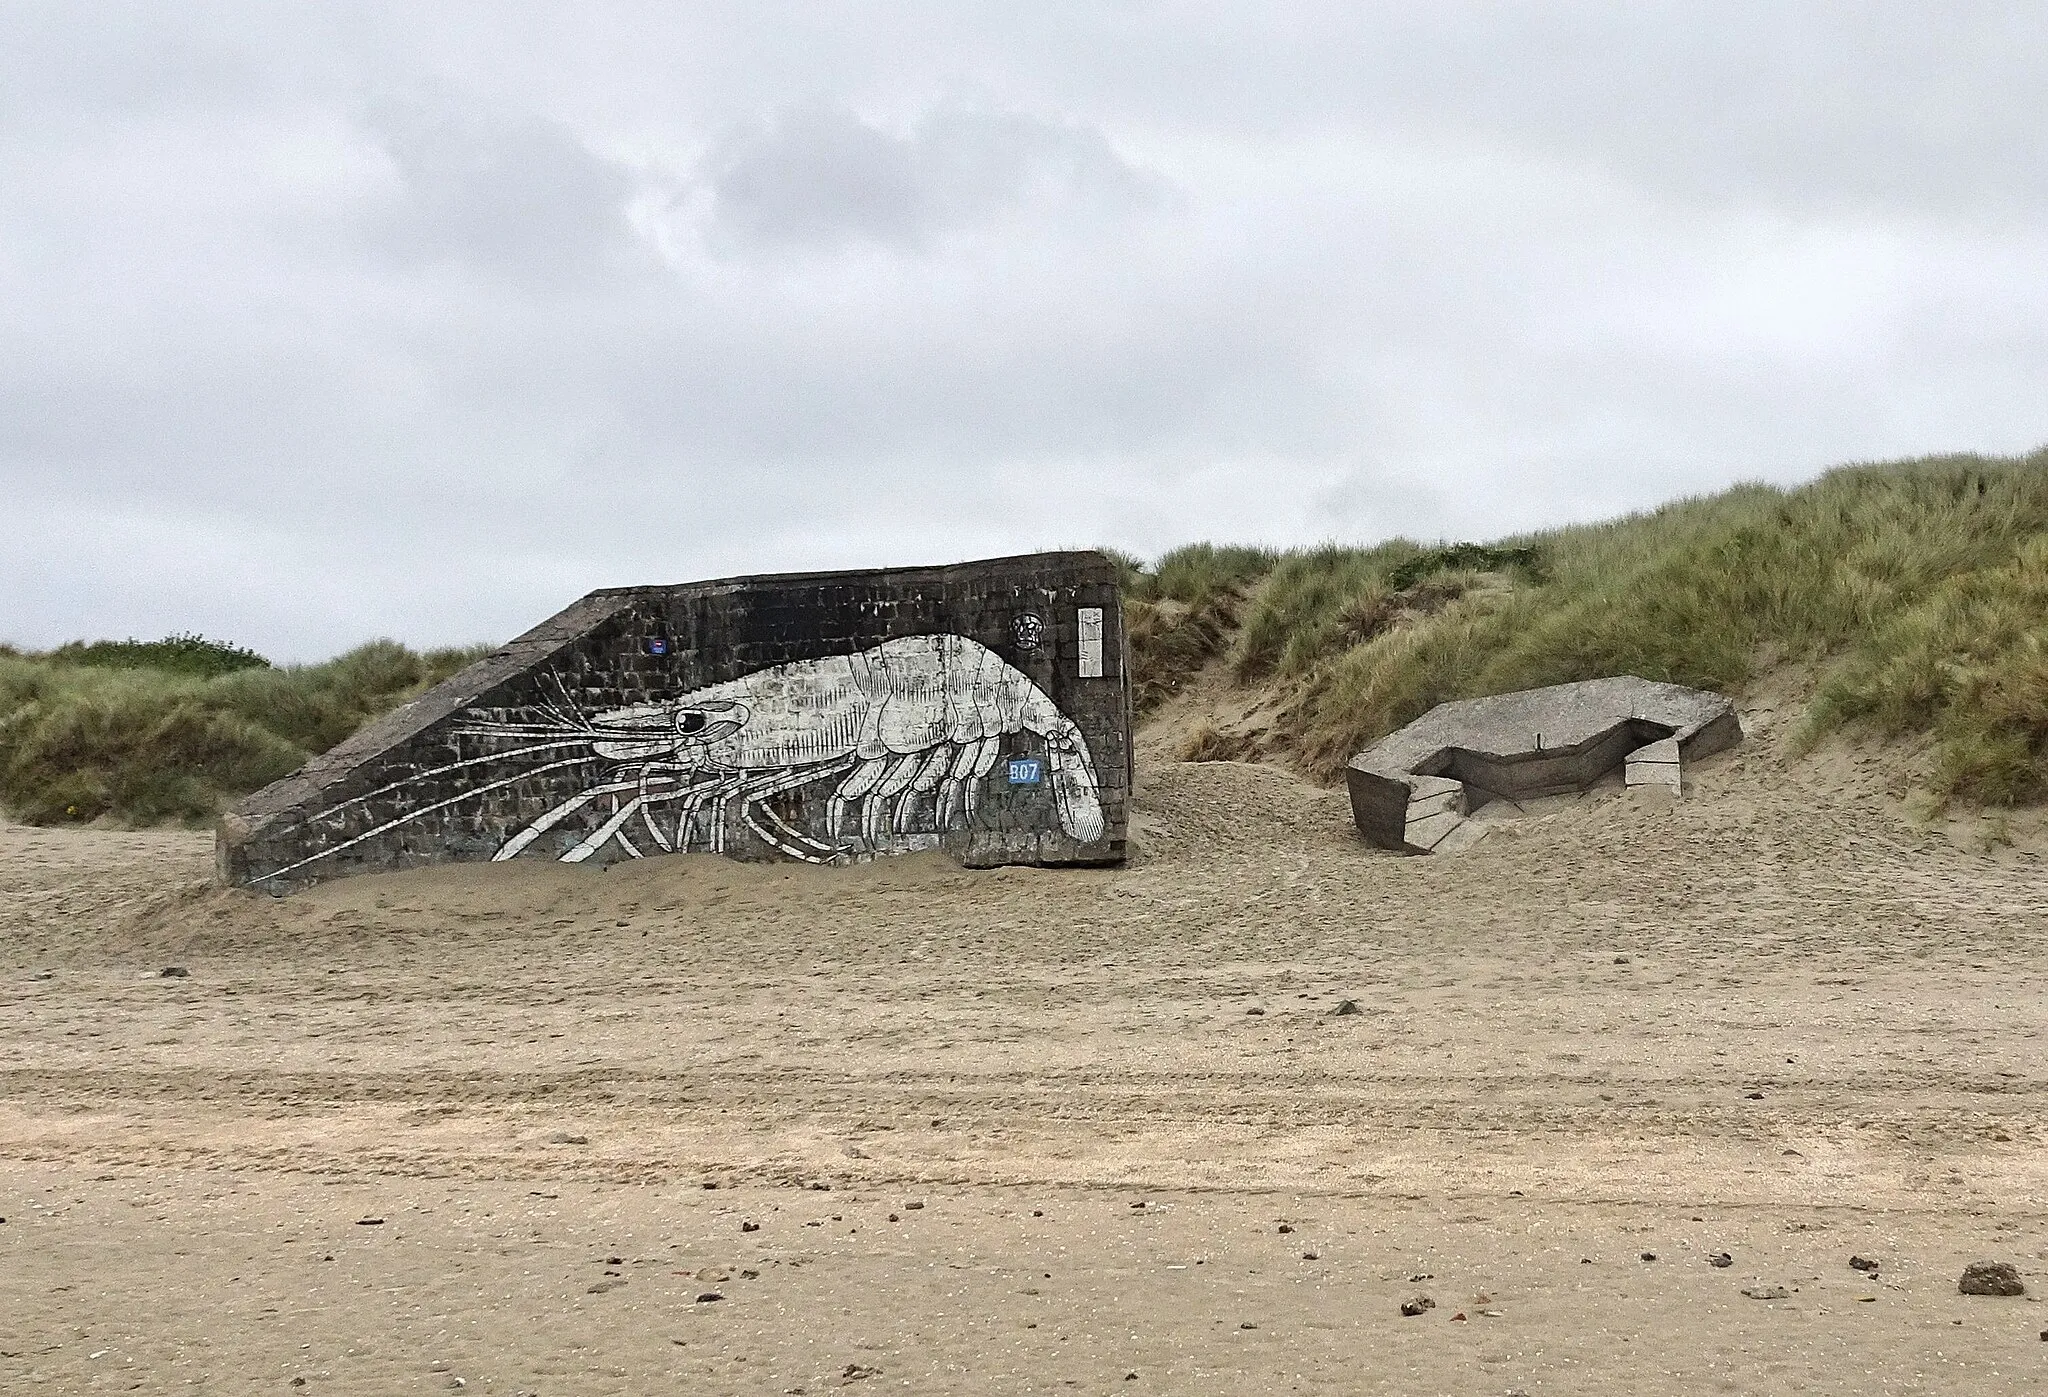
(1026, 771)
(658, 645)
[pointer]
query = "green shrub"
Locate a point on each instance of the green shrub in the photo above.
(1464, 557)
(177, 654)
(82, 737)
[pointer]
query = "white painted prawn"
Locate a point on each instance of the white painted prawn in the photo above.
(913, 721)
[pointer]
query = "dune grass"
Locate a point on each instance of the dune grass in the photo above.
(1919, 587)
(170, 731)
(1182, 612)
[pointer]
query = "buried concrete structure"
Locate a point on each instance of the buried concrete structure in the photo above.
(1413, 790)
(983, 709)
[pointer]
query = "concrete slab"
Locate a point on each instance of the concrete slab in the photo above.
(1429, 831)
(1656, 764)
(1530, 744)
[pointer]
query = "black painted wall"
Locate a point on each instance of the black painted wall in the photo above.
(543, 749)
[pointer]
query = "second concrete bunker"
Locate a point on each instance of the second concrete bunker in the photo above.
(1413, 789)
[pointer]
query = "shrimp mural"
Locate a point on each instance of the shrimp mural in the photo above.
(906, 732)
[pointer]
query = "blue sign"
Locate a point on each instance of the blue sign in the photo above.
(1026, 771)
(658, 645)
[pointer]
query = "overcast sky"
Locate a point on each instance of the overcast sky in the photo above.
(322, 322)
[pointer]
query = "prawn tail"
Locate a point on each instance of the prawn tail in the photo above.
(1074, 784)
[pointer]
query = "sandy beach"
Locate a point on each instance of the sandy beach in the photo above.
(692, 1126)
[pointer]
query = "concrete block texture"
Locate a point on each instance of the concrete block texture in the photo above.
(1523, 745)
(982, 709)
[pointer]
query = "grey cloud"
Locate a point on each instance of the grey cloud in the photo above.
(817, 175)
(659, 292)
(820, 175)
(512, 193)
(1801, 104)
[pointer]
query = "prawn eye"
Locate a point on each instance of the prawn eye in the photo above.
(690, 720)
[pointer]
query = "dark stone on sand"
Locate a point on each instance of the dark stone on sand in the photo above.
(709, 1297)
(1752, 1096)
(750, 1227)
(1416, 1304)
(1721, 1259)
(369, 1222)
(174, 972)
(1649, 1256)
(1345, 1008)
(1286, 1227)
(1991, 1278)
(1863, 1264)
(1255, 1011)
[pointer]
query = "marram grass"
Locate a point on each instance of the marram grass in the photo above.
(1919, 590)
(146, 735)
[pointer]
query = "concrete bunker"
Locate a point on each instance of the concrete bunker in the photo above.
(1414, 790)
(982, 709)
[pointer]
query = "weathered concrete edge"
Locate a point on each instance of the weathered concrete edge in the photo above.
(1717, 736)
(289, 796)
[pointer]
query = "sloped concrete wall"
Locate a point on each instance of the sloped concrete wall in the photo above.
(982, 709)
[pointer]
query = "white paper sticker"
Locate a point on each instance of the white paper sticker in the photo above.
(1089, 627)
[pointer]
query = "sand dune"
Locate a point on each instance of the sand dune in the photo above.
(1775, 1019)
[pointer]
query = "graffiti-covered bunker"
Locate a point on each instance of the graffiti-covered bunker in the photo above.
(982, 709)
